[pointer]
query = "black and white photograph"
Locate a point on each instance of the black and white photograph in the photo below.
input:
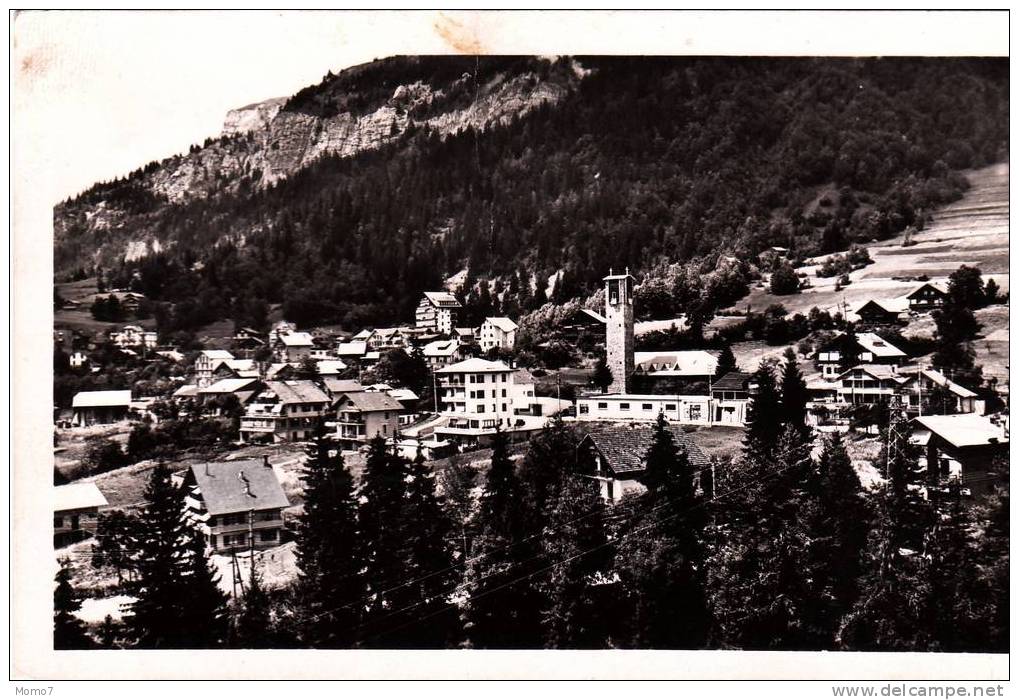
(362, 342)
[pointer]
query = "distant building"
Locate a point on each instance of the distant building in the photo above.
(619, 330)
(841, 352)
(581, 324)
(352, 351)
(134, 337)
(207, 362)
(361, 416)
(644, 408)
(919, 387)
(440, 353)
(238, 505)
(76, 512)
(616, 457)
(497, 332)
(926, 297)
(467, 336)
(438, 312)
(78, 359)
(245, 389)
(100, 407)
(293, 347)
(688, 365)
(877, 313)
(730, 398)
(963, 448)
(476, 396)
(284, 411)
(868, 384)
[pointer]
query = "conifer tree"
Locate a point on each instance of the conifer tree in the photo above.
(764, 419)
(204, 620)
(726, 362)
(109, 633)
(501, 611)
(550, 454)
(794, 393)
(385, 541)
(68, 630)
(329, 557)
(161, 561)
(662, 564)
(253, 626)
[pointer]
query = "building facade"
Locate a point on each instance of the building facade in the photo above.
(619, 330)
(437, 312)
(497, 332)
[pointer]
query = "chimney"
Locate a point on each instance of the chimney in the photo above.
(244, 480)
(265, 462)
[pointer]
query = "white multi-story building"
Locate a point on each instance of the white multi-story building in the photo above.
(497, 332)
(476, 396)
(438, 312)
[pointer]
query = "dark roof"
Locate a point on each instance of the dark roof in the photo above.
(340, 386)
(732, 381)
(876, 305)
(297, 391)
(624, 448)
(372, 401)
(223, 489)
(927, 285)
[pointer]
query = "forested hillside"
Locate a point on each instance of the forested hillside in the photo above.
(600, 162)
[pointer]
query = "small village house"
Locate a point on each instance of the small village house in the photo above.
(438, 312)
(284, 411)
(467, 336)
(243, 389)
(207, 362)
(441, 353)
(876, 313)
(616, 458)
(926, 297)
(134, 337)
(497, 332)
(100, 407)
(730, 398)
(76, 512)
(842, 352)
(361, 416)
(293, 347)
(965, 448)
(923, 386)
(237, 505)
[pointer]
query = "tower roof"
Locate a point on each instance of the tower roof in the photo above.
(622, 276)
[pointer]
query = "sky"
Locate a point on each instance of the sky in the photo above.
(98, 94)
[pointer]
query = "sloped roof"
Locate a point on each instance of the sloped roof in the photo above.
(218, 354)
(187, 390)
(475, 364)
(297, 391)
(586, 315)
(942, 380)
(933, 285)
(441, 348)
(372, 401)
(877, 345)
(339, 386)
(76, 496)
(679, 363)
(504, 324)
(964, 429)
(355, 347)
(625, 448)
(364, 334)
(98, 399)
(732, 381)
(239, 486)
(330, 366)
(523, 376)
(444, 299)
(403, 394)
(229, 386)
(298, 339)
(876, 371)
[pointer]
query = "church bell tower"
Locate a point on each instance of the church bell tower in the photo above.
(619, 330)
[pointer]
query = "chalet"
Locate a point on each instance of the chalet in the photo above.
(76, 512)
(235, 369)
(582, 323)
(497, 332)
(877, 313)
(284, 411)
(293, 347)
(926, 385)
(926, 297)
(237, 505)
(730, 398)
(279, 330)
(616, 457)
(644, 408)
(352, 351)
(522, 394)
(438, 312)
(386, 339)
(361, 416)
(468, 336)
(336, 387)
(868, 384)
(244, 389)
(842, 352)
(207, 362)
(134, 337)
(963, 448)
(440, 353)
(100, 407)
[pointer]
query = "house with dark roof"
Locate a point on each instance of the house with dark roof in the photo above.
(730, 398)
(877, 313)
(616, 457)
(843, 351)
(926, 297)
(868, 384)
(363, 415)
(964, 448)
(284, 411)
(238, 505)
(582, 323)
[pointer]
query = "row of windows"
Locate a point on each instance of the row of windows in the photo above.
(480, 408)
(241, 539)
(693, 411)
(480, 393)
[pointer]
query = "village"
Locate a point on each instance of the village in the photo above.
(443, 391)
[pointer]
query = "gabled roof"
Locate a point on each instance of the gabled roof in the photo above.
(386, 332)
(372, 401)
(340, 386)
(475, 364)
(504, 324)
(443, 299)
(218, 354)
(942, 380)
(463, 330)
(325, 367)
(928, 285)
(297, 339)
(693, 363)
(882, 305)
(624, 449)
(363, 334)
(586, 316)
(964, 429)
(356, 347)
(238, 487)
(876, 371)
(243, 368)
(296, 391)
(229, 386)
(441, 348)
(732, 381)
(98, 399)
(76, 496)
(877, 345)
(186, 391)
(403, 394)
(522, 376)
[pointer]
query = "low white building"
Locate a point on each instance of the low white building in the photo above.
(100, 407)
(497, 332)
(134, 337)
(642, 408)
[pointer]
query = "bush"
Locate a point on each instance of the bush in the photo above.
(784, 281)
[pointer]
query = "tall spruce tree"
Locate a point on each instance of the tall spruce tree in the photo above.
(794, 393)
(726, 362)
(204, 620)
(764, 419)
(385, 540)
(253, 625)
(329, 557)
(550, 454)
(662, 563)
(68, 629)
(161, 550)
(502, 611)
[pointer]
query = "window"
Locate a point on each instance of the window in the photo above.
(584, 409)
(670, 407)
(504, 393)
(504, 408)
(695, 412)
(481, 408)
(268, 536)
(646, 406)
(602, 406)
(624, 407)
(58, 521)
